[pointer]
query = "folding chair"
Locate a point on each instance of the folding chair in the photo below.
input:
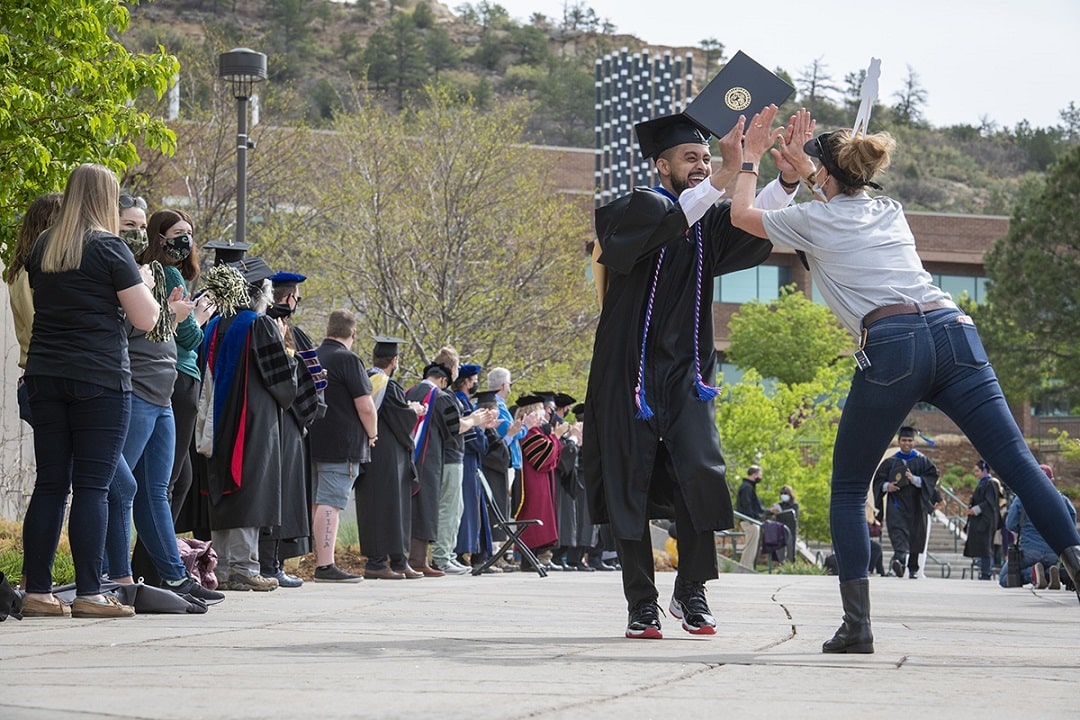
(513, 530)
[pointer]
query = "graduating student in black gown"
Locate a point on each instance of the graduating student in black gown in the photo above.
(651, 448)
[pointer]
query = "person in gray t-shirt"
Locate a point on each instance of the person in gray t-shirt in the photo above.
(915, 345)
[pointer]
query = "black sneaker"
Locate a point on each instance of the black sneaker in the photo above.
(332, 573)
(195, 590)
(688, 604)
(644, 621)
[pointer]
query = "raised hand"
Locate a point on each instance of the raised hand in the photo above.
(790, 156)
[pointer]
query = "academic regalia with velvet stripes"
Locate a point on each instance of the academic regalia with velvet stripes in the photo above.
(293, 535)
(254, 383)
(629, 478)
(437, 429)
(540, 451)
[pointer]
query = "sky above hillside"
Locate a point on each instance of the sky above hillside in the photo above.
(1005, 60)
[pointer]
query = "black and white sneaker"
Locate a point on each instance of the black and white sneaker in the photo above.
(644, 621)
(688, 604)
(195, 590)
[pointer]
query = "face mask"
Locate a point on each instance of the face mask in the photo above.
(135, 239)
(785, 498)
(278, 311)
(179, 247)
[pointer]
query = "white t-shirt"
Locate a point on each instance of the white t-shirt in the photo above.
(861, 252)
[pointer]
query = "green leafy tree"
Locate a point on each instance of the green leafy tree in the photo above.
(449, 242)
(790, 431)
(789, 339)
(423, 16)
(67, 96)
(441, 51)
(409, 61)
(1034, 288)
(291, 33)
(379, 60)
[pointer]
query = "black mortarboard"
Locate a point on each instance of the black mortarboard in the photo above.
(906, 431)
(487, 398)
(437, 369)
(578, 409)
(819, 148)
(564, 400)
(526, 400)
(657, 135)
(227, 252)
(287, 278)
(386, 346)
(468, 370)
(254, 269)
(742, 87)
(546, 396)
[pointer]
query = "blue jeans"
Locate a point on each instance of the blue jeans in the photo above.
(146, 466)
(79, 431)
(937, 358)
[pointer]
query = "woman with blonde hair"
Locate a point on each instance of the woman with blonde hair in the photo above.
(914, 343)
(85, 281)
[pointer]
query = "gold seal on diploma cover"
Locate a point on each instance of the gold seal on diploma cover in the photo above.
(737, 98)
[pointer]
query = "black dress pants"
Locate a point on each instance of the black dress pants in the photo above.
(697, 557)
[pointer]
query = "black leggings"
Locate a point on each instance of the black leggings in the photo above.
(185, 405)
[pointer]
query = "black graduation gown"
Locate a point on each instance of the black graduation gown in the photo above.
(384, 489)
(906, 509)
(266, 379)
(630, 464)
(981, 527)
(443, 425)
(294, 533)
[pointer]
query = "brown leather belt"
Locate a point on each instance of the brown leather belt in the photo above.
(903, 309)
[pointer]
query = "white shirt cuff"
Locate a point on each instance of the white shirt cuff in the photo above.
(696, 201)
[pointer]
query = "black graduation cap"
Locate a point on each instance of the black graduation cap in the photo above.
(386, 346)
(657, 135)
(906, 432)
(437, 369)
(287, 278)
(526, 400)
(226, 251)
(742, 87)
(487, 398)
(254, 269)
(564, 400)
(546, 396)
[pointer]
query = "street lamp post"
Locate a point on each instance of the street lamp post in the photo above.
(242, 68)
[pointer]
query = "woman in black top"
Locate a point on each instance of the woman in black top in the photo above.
(84, 280)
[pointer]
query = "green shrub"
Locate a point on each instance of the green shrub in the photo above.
(11, 555)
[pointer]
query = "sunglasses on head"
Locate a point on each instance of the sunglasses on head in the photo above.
(127, 201)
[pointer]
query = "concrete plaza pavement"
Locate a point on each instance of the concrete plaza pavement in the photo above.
(520, 646)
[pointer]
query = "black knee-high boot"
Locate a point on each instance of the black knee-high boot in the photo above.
(1070, 558)
(854, 636)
